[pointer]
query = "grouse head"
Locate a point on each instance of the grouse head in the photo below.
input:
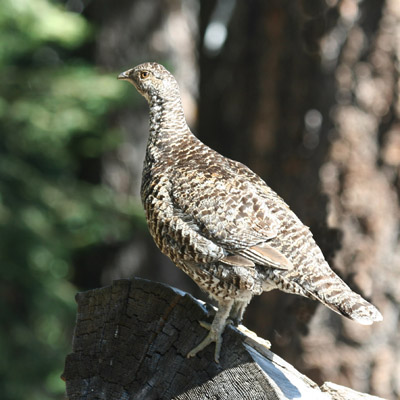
(152, 81)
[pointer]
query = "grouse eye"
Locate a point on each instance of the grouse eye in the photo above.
(144, 74)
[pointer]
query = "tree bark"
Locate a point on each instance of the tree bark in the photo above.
(131, 341)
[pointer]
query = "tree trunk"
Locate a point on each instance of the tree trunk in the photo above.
(131, 341)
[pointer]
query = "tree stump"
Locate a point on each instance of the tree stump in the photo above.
(131, 341)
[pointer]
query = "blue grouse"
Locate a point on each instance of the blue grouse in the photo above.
(222, 224)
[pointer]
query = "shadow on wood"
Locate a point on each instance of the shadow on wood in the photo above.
(131, 341)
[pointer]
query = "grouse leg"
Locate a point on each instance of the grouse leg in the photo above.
(237, 311)
(216, 329)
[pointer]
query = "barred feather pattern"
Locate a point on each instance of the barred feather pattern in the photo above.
(220, 222)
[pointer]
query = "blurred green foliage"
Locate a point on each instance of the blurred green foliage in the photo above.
(53, 114)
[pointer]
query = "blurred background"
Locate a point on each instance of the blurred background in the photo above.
(305, 92)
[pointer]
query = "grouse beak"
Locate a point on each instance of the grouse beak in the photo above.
(124, 75)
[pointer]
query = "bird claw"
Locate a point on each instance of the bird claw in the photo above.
(205, 325)
(213, 336)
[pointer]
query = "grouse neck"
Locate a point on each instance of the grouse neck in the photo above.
(167, 121)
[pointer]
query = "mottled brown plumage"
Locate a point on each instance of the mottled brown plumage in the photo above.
(221, 224)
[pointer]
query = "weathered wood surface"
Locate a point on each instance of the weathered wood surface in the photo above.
(131, 341)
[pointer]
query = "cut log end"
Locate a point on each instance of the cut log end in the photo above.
(131, 340)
